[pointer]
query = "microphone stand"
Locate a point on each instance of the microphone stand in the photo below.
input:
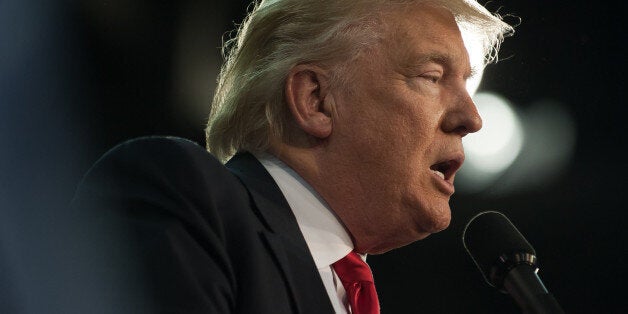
(526, 288)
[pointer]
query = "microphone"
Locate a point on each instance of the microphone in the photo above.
(507, 261)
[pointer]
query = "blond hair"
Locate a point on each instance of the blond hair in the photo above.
(248, 108)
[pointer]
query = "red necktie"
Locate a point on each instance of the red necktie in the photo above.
(357, 279)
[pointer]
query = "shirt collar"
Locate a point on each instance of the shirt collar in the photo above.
(326, 237)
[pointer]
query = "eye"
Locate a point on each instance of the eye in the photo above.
(432, 77)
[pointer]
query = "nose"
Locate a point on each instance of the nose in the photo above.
(463, 117)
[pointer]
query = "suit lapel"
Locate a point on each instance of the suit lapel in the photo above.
(283, 237)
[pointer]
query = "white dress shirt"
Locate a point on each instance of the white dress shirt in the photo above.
(325, 236)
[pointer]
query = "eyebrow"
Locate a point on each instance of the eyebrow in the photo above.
(445, 60)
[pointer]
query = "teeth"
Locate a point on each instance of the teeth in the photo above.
(440, 174)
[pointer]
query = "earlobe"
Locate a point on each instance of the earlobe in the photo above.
(306, 93)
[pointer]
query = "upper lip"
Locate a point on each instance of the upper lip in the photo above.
(448, 166)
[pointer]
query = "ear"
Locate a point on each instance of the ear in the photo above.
(306, 90)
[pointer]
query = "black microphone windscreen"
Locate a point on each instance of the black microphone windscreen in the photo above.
(491, 235)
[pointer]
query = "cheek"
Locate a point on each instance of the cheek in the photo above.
(416, 133)
(425, 211)
(370, 126)
(390, 123)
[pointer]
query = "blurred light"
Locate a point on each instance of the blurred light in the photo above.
(511, 146)
(552, 132)
(474, 82)
(498, 143)
(476, 58)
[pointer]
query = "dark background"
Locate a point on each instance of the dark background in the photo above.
(79, 77)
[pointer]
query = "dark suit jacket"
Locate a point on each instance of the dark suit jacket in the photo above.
(175, 231)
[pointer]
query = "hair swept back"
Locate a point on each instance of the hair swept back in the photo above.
(248, 108)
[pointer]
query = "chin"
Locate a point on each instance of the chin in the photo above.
(435, 221)
(395, 240)
(404, 233)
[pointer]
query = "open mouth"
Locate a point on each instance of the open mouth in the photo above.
(446, 169)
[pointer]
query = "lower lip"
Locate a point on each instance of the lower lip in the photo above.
(444, 186)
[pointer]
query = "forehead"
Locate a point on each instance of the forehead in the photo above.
(419, 31)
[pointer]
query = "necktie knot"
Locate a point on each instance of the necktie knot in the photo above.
(357, 279)
(352, 268)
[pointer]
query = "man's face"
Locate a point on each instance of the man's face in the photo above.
(398, 131)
